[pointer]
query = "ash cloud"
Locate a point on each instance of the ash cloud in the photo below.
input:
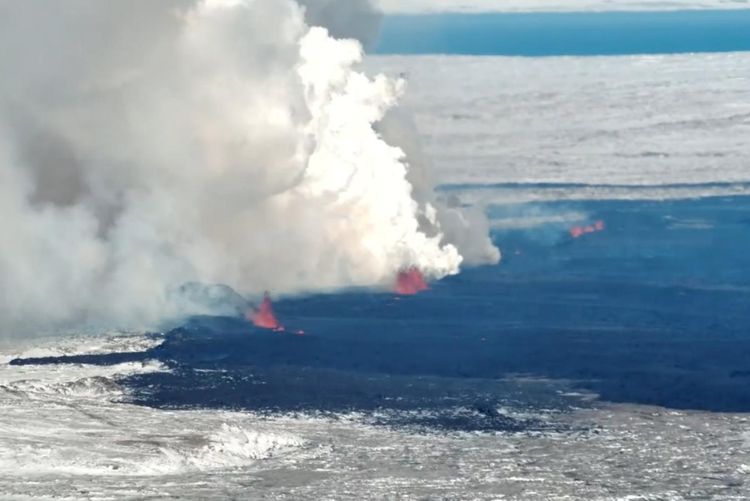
(145, 145)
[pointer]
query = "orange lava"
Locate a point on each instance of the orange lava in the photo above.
(579, 231)
(410, 282)
(264, 317)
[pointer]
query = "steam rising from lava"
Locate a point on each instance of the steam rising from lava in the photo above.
(146, 144)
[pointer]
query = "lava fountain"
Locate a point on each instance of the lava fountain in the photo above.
(410, 282)
(264, 317)
(579, 231)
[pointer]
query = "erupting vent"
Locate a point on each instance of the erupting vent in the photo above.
(264, 317)
(410, 282)
(579, 231)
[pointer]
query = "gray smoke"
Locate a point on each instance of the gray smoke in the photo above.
(357, 19)
(467, 227)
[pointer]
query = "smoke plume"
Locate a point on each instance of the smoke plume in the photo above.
(356, 19)
(147, 145)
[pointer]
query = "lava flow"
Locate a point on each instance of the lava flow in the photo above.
(410, 282)
(264, 317)
(579, 231)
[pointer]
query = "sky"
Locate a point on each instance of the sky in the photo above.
(432, 6)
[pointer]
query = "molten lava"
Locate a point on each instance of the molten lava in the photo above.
(410, 282)
(579, 231)
(264, 317)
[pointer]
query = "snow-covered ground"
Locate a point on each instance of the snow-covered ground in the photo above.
(637, 120)
(66, 433)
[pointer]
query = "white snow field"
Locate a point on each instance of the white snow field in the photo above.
(65, 434)
(640, 121)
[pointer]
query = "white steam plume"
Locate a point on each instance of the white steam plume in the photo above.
(148, 144)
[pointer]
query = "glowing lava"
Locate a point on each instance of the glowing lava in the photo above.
(410, 282)
(579, 231)
(264, 317)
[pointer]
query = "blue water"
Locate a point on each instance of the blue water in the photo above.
(554, 34)
(653, 310)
